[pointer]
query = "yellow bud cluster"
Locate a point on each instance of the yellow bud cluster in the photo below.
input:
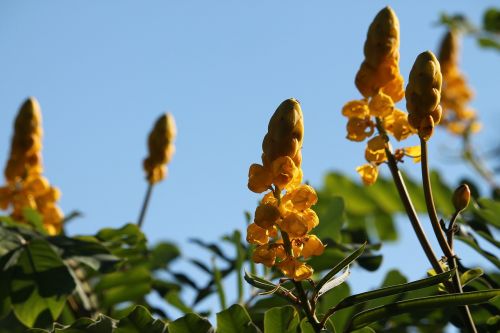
(161, 148)
(423, 94)
(284, 216)
(25, 186)
(458, 116)
(379, 81)
(282, 156)
(380, 69)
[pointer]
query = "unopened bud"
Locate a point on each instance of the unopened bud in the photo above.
(461, 197)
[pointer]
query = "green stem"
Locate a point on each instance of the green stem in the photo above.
(218, 284)
(408, 205)
(304, 301)
(441, 237)
(450, 232)
(145, 204)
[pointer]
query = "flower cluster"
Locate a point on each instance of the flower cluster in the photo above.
(25, 186)
(284, 216)
(161, 148)
(458, 116)
(379, 81)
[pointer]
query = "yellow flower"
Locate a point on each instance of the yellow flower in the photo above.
(302, 197)
(286, 207)
(311, 218)
(294, 224)
(297, 246)
(359, 129)
(381, 105)
(295, 269)
(414, 152)
(161, 148)
(26, 187)
(312, 246)
(397, 125)
(266, 215)
(356, 109)
(368, 173)
(375, 150)
(259, 178)
(257, 235)
(423, 94)
(456, 94)
(264, 254)
(283, 171)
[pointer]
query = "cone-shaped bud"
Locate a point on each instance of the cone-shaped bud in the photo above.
(423, 94)
(380, 69)
(285, 133)
(161, 148)
(461, 197)
(25, 153)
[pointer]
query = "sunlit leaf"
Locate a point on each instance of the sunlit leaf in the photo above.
(139, 321)
(235, 319)
(337, 268)
(369, 316)
(281, 320)
(190, 323)
(40, 281)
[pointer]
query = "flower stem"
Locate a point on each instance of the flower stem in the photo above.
(441, 237)
(145, 204)
(304, 301)
(408, 205)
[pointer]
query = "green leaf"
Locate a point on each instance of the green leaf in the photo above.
(281, 320)
(489, 210)
(334, 282)
(86, 250)
(488, 43)
(394, 290)
(34, 218)
(235, 319)
(341, 317)
(115, 287)
(370, 262)
(190, 323)
(385, 195)
(392, 278)
(139, 321)
(330, 211)
(40, 281)
(357, 200)
(337, 268)
(264, 284)
(330, 257)
(470, 275)
(491, 20)
(306, 327)
(386, 229)
(162, 254)
(489, 256)
(9, 240)
(102, 324)
(442, 194)
(369, 316)
(172, 297)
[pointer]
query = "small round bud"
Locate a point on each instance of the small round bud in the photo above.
(461, 197)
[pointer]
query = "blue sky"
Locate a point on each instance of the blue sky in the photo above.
(103, 71)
